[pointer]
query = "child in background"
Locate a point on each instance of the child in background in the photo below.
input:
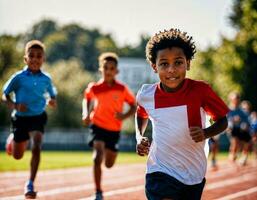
(238, 128)
(108, 97)
(254, 132)
(177, 107)
(29, 117)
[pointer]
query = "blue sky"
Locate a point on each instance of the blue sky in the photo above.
(125, 20)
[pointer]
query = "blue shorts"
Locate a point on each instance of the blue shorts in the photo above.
(160, 185)
(21, 126)
(110, 138)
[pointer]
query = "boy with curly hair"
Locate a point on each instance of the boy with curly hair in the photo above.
(177, 107)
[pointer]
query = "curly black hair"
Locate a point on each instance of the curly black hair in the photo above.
(168, 39)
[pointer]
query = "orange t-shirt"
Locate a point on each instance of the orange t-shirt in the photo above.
(108, 101)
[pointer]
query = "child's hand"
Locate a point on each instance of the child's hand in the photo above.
(86, 121)
(20, 107)
(197, 134)
(52, 103)
(143, 146)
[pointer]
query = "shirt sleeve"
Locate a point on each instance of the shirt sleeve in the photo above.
(51, 89)
(141, 112)
(89, 93)
(10, 85)
(213, 104)
(129, 96)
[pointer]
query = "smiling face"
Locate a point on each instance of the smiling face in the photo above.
(34, 58)
(171, 65)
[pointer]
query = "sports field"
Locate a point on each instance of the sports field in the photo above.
(124, 181)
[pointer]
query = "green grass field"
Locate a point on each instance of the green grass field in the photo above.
(68, 159)
(60, 159)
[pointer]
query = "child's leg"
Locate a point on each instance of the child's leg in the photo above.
(234, 144)
(36, 137)
(110, 157)
(18, 149)
(98, 154)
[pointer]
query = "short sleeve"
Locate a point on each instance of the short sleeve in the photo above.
(129, 96)
(89, 93)
(141, 112)
(51, 89)
(213, 104)
(10, 85)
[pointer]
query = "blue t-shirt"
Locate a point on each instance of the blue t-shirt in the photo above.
(243, 118)
(30, 89)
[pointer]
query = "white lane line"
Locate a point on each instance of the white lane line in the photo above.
(77, 188)
(117, 192)
(21, 174)
(232, 181)
(239, 194)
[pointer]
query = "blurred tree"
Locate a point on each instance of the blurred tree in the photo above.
(41, 30)
(10, 56)
(232, 65)
(70, 79)
(244, 17)
(11, 59)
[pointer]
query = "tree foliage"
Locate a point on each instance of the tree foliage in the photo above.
(232, 65)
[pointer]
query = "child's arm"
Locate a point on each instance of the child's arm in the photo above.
(143, 143)
(86, 110)
(198, 134)
(11, 105)
(131, 111)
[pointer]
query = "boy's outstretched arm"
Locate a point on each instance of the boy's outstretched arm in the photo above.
(143, 143)
(198, 134)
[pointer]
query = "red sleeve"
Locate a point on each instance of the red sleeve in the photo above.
(129, 96)
(88, 93)
(213, 104)
(141, 112)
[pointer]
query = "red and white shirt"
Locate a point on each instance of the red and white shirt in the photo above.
(172, 150)
(108, 101)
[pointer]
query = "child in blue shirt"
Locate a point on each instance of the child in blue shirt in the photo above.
(29, 87)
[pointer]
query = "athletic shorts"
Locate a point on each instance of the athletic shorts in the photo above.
(21, 126)
(160, 185)
(110, 138)
(241, 135)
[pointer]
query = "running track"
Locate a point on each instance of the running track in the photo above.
(127, 182)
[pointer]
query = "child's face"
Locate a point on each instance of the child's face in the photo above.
(108, 70)
(34, 58)
(234, 100)
(171, 65)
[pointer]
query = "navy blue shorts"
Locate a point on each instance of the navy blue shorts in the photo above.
(241, 135)
(21, 126)
(110, 138)
(160, 185)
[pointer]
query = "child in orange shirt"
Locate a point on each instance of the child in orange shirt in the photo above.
(108, 96)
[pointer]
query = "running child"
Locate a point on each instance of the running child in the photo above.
(177, 107)
(28, 119)
(108, 97)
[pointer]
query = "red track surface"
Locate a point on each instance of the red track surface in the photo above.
(127, 182)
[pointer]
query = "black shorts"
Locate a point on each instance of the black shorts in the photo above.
(160, 185)
(110, 138)
(21, 126)
(240, 134)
